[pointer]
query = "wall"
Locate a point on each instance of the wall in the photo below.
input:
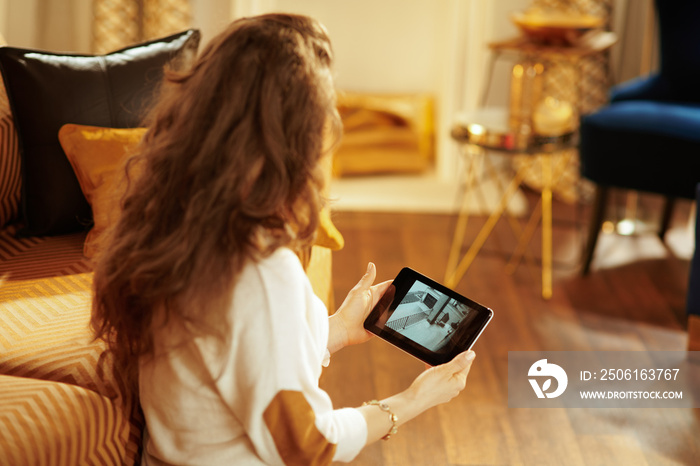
(62, 25)
(402, 46)
(382, 46)
(438, 47)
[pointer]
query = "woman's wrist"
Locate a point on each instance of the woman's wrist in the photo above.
(383, 423)
(337, 334)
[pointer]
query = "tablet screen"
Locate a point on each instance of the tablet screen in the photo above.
(427, 319)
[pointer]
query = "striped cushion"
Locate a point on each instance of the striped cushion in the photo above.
(53, 423)
(44, 333)
(39, 257)
(9, 163)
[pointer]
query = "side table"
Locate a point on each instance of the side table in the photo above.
(487, 130)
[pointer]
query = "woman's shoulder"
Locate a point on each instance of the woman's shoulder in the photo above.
(276, 282)
(282, 259)
(281, 268)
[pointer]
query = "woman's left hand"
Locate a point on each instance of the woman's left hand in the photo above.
(346, 325)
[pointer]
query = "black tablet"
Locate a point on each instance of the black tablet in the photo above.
(426, 319)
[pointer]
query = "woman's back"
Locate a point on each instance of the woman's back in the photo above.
(213, 402)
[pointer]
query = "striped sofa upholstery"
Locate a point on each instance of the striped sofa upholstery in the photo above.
(10, 183)
(59, 403)
(44, 423)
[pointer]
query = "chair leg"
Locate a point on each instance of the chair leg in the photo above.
(694, 336)
(669, 204)
(597, 216)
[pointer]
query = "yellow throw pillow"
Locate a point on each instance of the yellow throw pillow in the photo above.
(327, 234)
(96, 154)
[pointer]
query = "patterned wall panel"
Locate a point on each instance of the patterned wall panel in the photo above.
(119, 23)
(163, 17)
(116, 24)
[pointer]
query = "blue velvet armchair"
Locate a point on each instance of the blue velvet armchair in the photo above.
(648, 138)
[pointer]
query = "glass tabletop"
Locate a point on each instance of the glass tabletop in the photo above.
(489, 128)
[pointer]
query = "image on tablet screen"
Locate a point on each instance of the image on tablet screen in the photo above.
(427, 316)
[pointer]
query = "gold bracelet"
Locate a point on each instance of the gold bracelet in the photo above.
(392, 417)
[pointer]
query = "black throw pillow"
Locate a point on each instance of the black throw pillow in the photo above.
(47, 90)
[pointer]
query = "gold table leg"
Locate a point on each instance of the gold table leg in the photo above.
(534, 220)
(547, 227)
(514, 223)
(452, 277)
(543, 211)
(462, 221)
(525, 237)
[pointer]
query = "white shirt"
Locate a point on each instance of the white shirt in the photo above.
(256, 400)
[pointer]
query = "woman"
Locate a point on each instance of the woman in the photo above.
(199, 296)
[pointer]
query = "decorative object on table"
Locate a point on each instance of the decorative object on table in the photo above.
(561, 25)
(533, 109)
(552, 117)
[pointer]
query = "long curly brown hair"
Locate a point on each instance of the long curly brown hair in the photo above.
(228, 172)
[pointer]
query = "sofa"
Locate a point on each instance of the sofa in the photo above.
(60, 404)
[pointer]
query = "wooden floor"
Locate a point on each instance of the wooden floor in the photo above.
(633, 300)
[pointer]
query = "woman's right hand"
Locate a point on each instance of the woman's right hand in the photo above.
(441, 383)
(435, 386)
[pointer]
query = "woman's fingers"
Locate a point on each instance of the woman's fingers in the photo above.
(379, 290)
(368, 278)
(462, 361)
